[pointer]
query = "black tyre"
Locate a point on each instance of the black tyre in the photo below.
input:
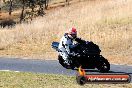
(103, 65)
(61, 61)
(81, 80)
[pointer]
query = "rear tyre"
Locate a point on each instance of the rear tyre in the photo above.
(103, 65)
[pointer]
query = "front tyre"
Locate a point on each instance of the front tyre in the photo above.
(61, 61)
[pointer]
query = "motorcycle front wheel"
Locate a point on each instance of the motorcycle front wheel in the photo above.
(61, 61)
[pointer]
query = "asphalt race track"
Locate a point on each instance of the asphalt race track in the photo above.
(50, 67)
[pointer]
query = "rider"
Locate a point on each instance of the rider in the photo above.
(66, 43)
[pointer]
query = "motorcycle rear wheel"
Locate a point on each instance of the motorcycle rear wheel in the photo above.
(103, 65)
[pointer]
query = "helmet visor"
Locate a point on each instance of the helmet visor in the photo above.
(73, 35)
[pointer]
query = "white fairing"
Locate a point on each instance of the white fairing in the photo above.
(64, 46)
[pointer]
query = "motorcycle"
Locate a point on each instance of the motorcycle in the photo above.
(87, 55)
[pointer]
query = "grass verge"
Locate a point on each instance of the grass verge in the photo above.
(32, 80)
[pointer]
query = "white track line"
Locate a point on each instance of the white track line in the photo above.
(9, 71)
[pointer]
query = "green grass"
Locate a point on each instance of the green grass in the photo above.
(32, 80)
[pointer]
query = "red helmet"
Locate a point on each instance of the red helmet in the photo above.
(72, 31)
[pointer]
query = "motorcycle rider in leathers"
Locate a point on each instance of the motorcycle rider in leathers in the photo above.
(66, 43)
